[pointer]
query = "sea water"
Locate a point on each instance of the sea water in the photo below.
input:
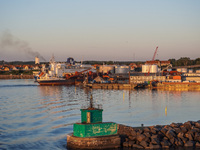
(40, 117)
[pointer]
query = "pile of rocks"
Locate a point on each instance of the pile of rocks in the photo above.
(155, 137)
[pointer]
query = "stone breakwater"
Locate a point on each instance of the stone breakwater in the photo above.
(174, 135)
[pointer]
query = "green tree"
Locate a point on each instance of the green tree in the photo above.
(172, 61)
(197, 61)
(184, 61)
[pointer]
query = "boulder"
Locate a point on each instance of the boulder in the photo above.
(147, 134)
(170, 134)
(188, 125)
(183, 129)
(189, 136)
(146, 129)
(179, 142)
(132, 138)
(175, 125)
(197, 138)
(144, 144)
(197, 144)
(165, 144)
(155, 141)
(180, 135)
(164, 131)
(154, 130)
(152, 146)
(137, 146)
(197, 124)
(125, 144)
(177, 130)
(185, 140)
(130, 143)
(189, 144)
(147, 139)
(141, 137)
(133, 133)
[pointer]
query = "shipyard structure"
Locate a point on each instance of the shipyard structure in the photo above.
(150, 74)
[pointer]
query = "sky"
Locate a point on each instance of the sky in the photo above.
(108, 30)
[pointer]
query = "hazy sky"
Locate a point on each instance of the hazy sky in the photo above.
(99, 29)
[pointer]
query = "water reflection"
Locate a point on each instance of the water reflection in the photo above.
(40, 117)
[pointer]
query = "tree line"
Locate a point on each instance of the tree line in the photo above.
(184, 61)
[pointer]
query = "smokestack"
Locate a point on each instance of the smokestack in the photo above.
(37, 60)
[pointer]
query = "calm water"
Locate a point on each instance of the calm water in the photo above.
(40, 117)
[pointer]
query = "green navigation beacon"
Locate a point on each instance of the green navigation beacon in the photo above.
(91, 123)
(92, 133)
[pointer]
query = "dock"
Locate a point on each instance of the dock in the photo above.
(176, 86)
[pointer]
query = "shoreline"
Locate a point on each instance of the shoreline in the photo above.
(16, 76)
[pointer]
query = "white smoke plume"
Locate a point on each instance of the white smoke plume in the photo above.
(9, 41)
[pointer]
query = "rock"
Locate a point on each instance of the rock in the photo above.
(172, 140)
(183, 129)
(144, 144)
(174, 125)
(130, 143)
(141, 131)
(179, 142)
(196, 135)
(133, 133)
(189, 136)
(189, 144)
(155, 141)
(125, 144)
(160, 135)
(152, 146)
(197, 130)
(188, 125)
(180, 135)
(147, 134)
(146, 129)
(185, 140)
(197, 138)
(132, 138)
(197, 144)
(154, 130)
(165, 144)
(141, 137)
(177, 130)
(197, 124)
(170, 134)
(164, 131)
(147, 139)
(137, 146)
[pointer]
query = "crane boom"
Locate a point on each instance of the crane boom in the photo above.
(154, 55)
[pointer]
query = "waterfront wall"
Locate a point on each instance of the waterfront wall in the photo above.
(178, 86)
(167, 136)
(16, 77)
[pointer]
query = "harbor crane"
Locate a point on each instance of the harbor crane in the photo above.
(154, 55)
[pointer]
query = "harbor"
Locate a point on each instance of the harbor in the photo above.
(44, 119)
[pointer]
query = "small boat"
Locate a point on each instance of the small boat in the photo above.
(140, 86)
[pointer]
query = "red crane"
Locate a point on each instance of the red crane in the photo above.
(153, 59)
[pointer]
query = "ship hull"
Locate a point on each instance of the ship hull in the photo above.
(56, 82)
